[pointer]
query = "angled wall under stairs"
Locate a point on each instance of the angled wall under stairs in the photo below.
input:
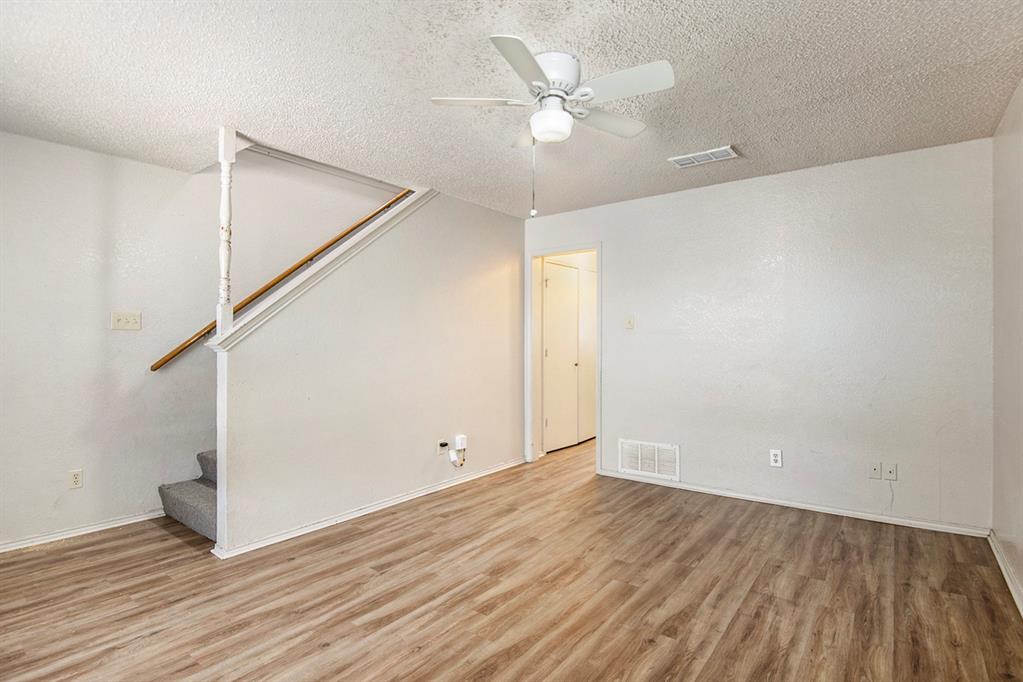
(334, 391)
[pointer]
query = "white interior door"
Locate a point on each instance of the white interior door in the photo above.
(561, 356)
(587, 354)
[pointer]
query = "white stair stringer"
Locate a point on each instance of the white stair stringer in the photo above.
(302, 282)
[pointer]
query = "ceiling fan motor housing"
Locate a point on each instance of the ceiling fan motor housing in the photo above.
(562, 70)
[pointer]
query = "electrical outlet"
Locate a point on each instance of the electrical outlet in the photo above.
(875, 470)
(130, 322)
(891, 472)
(776, 458)
(443, 447)
(76, 478)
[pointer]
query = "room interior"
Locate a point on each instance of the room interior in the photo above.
(511, 340)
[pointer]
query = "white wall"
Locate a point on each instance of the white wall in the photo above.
(338, 400)
(83, 234)
(1008, 339)
(841, 313)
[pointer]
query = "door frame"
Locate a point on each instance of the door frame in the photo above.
(530, 440)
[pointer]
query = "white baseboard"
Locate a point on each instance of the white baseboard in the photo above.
(958, 529)
(1011, 579)
(361, 511)
(80, 530)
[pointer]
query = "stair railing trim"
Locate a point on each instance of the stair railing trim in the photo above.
(302, 282)
(322, 167)
(294, 270)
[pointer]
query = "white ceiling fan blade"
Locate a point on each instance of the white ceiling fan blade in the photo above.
(520, 58)
(525, 138)
(616, 124)
(472, 101)
(638, 80)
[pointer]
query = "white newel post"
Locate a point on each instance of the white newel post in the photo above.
(225, 320)
(225, 311)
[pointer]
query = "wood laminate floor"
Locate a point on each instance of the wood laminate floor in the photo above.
(543, 571)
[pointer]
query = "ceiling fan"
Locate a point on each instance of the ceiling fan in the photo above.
(553, 81)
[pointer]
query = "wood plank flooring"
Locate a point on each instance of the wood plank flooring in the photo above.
(544, 571)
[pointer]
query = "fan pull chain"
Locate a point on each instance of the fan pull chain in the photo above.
(532, 182)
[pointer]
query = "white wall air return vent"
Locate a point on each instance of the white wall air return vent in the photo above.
(700, 158)
(658, 460)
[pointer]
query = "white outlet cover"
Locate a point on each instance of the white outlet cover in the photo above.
(126, 321)
(875, 470)
(891, 472)
(776, 458)
(77, 479)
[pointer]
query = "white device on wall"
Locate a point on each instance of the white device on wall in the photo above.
(457, 454)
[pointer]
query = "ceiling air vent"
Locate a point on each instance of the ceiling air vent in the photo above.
(700, 158)
(659, 460)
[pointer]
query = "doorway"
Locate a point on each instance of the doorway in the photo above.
(565, 350)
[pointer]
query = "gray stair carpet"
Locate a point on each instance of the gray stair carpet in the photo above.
(208, 464)
(194, 503)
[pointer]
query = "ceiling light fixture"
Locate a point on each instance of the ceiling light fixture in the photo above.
(552, 123)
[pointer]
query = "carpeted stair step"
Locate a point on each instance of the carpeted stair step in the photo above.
(193, 503)
(208, 464)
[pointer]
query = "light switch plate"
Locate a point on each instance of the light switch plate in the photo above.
(126, 321)
(630, 322)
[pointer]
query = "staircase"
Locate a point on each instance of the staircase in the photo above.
(194, 503)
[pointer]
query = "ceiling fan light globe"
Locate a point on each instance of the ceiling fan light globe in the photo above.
(551, 125)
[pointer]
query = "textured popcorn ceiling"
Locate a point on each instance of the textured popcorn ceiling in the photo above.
(791, 83)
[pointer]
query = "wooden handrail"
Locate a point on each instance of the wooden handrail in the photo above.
(308, 258)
